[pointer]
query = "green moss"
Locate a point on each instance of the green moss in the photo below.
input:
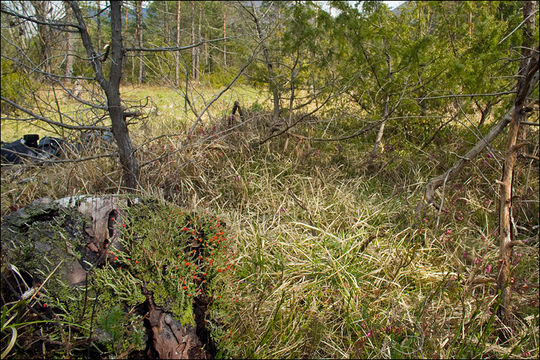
(187, 317)
(170, 252)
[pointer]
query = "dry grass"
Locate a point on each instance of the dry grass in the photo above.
(331, 261)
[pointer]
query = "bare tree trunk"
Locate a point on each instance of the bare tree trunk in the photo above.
(269, 66)
(98, 21)
(206, 58)
(485, 111)
(224, 35)
(166, 22)
(528, 68)
(116, 112)
(41, 8)
(193, 50)
(199, 39)
(111, 87)
(69, 47)
(380, 133)
(139, 33)
(505, 218)
(176, 53)
(505, 205)
(126, 19)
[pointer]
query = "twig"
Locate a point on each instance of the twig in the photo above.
(231, 83)
(178, 48)
(517, 27)
(289, 126)
(51, 122)
(437, 131)
(345, 137)
(464, 95)
(40, 22)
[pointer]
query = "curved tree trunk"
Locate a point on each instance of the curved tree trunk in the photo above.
(116, 112)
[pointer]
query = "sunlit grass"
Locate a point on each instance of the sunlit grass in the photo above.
(166, 109)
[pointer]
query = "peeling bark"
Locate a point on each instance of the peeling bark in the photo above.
(170, 339)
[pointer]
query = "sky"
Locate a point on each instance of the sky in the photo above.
(390, 3)
(393, 4)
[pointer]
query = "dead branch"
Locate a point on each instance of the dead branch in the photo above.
(176, 48)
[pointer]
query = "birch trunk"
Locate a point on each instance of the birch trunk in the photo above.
(177, 43)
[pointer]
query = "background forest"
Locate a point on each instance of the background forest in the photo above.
(376, 168)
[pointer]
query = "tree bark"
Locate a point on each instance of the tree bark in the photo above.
(111, 87)
(41, 9)
(224, 35)
(380, 133)
(485, 111)
(198, 49)
(138, 31)
(166, 22)
(98, 22)
(193, 50)
(271, 77)
(177, 43)
(528, 69)
(69, 47)
(207, 65)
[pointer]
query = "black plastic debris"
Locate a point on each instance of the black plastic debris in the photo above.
(29, 148)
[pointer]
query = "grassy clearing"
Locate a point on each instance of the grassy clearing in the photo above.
(166, 110)
(331, 263)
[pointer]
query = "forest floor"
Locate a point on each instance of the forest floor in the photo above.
(331, 260)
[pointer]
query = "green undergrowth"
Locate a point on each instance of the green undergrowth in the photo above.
(176, 255)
